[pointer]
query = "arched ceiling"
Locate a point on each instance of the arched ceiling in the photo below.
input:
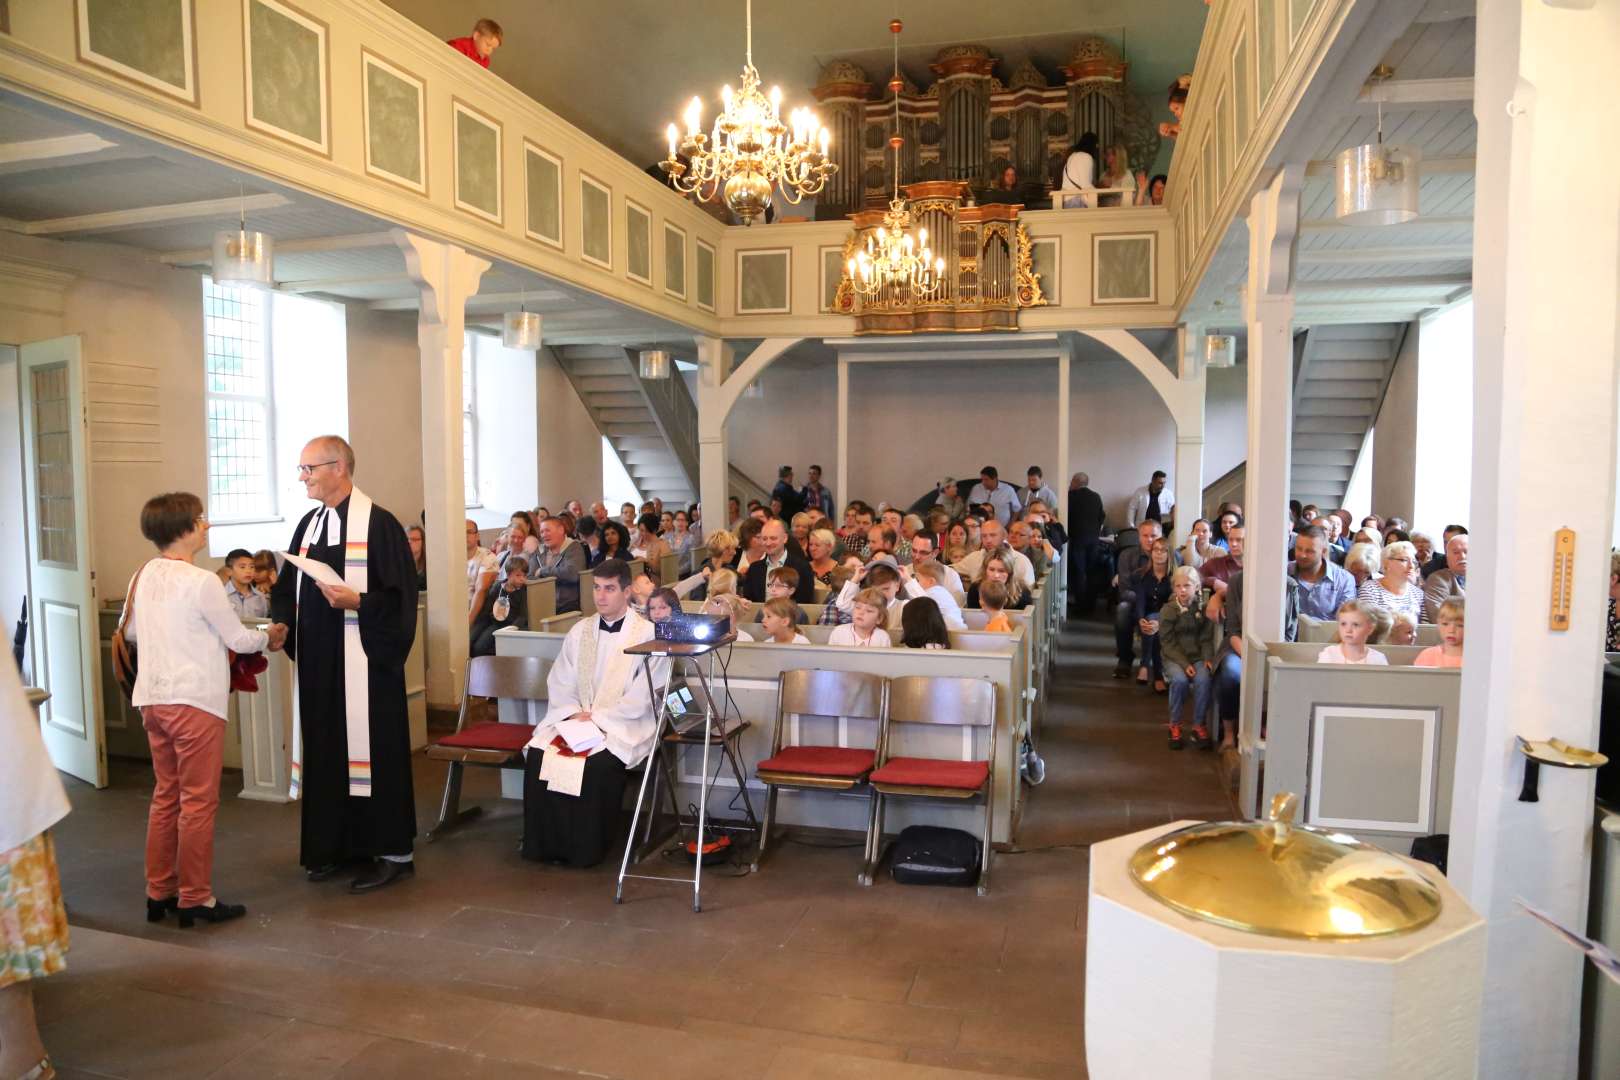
(624, 69)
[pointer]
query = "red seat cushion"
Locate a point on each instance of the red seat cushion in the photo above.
(846, 761)
(490, 736)
(933, 772)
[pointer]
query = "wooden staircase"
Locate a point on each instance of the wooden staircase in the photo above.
(1339, 382)
(650, 423)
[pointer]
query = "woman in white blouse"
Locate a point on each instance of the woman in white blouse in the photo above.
(1199, 547)
(1079, 187)
(1395, 589)
(182, 624)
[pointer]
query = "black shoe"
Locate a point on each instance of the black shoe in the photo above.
(383, 874)
(1201, 734)
(1122, 670)
(324, 872)
(219, 912)
(156, 909)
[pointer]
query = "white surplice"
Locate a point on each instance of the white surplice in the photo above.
(621, 704)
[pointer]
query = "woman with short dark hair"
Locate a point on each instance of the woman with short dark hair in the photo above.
(182, 624)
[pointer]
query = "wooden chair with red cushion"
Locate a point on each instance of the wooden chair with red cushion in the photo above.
(916, 701)
(488, 743)
(820, 766)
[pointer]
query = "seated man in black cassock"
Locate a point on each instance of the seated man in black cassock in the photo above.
(348, 641)
(506, 605)
(600, 705)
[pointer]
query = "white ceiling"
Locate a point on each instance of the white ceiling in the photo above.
(1388, 273)
(166, 205)
(623, 71)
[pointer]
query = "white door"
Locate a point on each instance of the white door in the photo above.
(63, 627)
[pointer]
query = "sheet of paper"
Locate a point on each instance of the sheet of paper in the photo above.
(581, 736)
(314, 568)
(1602, 959)
(563, 775)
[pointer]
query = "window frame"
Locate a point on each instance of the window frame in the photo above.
(272, 512)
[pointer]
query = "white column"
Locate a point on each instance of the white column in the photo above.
(1545, 330)
(1057, 476)
(841, 491)
(445, 275)
(1189, 474)
(714, 466)
(1268, 303)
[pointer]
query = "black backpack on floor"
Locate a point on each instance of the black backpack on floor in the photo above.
(930, 855)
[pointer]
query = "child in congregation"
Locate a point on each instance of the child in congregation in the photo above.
(922, 626)
(993, 599)
(779, 619)
(831, 613)
(782, 583)
(1189, 642)
(863, 630)
(1383, 625)
(1403, 631)
(663, 604)
(1355, 627)
(1449, 653)
(728, 605)
(238, 573)
(925, 580)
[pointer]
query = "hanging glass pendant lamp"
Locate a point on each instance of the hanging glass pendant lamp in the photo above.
(243, 258)
(1377, 184)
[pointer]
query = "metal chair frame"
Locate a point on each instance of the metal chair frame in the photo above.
(521, 678)
(949, 701)
(820, 692)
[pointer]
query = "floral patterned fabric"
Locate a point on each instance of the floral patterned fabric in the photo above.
(33, 922)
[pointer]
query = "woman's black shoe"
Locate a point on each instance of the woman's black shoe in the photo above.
(324, 872)
(156, 909)
(219, 912)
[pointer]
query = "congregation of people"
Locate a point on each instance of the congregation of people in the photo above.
(1178, 611)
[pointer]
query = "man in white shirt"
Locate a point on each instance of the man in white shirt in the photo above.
(1037, 489)
(922, 549)
(599, 722)
(1152, 502)
(991, 537)
(482, 569)
(991, 490)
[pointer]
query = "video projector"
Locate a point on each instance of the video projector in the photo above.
(692, 629)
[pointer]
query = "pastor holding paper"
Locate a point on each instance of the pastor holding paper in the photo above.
(348, 630)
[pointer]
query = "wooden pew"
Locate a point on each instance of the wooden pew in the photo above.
(753, 671)
(542, 600)
(1356, 770)
(1325, 631)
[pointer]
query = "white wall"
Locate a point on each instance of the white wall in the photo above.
(507, 468)
(1445, 433)
(385, 409)
(569, 448)
(1395, 460)
(911, 423)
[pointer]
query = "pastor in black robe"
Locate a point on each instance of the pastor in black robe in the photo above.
(339, 827)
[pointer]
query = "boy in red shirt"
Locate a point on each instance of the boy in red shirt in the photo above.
(481, 45)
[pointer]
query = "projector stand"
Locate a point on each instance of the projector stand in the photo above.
(713, 728)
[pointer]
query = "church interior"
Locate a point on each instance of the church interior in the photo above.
(647, 327)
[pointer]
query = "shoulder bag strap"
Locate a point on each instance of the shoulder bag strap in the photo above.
(129, 601)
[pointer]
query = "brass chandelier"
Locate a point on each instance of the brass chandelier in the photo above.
(749, 151)
(892, 258)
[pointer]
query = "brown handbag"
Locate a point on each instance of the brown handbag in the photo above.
(124, 658)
